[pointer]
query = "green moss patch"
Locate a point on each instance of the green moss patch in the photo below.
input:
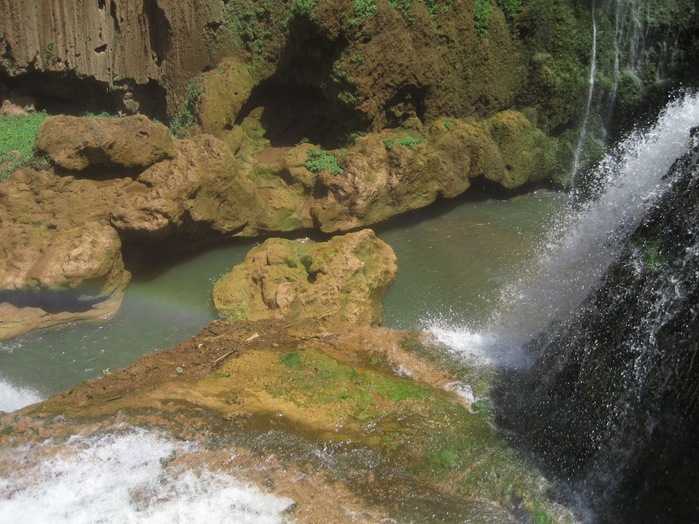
(17, 140)
(319, 160)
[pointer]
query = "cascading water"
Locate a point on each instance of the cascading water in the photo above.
(610, 405)
(588, 101)
(633, 46)
(585, 240)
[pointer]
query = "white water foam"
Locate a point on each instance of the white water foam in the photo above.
(462, 342)
(126, 479)
(585, 241)
(14, 397)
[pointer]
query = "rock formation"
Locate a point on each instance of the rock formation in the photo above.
(62, 232)
(75, 143)
(343, 278)
(317, 411)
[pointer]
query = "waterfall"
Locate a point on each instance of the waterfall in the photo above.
(584, 241)
(588, 101)
(633, 48)
(610, 405)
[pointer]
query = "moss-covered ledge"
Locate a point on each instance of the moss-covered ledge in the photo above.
(370, 411)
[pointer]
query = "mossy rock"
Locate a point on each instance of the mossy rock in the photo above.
(345, 278)
(310, 395)
(224, 91)
(525, 152)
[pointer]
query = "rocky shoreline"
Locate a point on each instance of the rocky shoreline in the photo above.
(120, 180)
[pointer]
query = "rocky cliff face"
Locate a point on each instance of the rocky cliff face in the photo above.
(340, 67)
(97, 47)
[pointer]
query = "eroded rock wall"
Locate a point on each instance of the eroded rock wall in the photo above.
(112, 42)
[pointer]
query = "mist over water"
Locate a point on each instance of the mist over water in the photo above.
(13, 396)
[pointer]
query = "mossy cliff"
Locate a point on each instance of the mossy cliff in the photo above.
(345, 65)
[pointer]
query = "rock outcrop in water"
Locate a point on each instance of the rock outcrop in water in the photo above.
(130, 176)
(115, 180)
(343, 278)
(612, 404)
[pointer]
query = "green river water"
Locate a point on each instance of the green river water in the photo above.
(453, 260)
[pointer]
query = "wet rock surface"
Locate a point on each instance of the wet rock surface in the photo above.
(307, 409)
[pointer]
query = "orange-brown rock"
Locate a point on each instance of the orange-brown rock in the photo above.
(343, 278)
(63, 261)
(62, 235)
(132, 142)
(198, 190)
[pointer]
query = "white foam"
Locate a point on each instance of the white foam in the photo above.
(126, 479)
(13, 397)
(583, 242)
(462, 342)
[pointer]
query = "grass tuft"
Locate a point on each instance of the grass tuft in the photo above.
(17, 141)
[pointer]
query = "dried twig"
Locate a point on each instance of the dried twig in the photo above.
(221, 358)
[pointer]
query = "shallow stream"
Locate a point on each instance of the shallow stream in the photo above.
(453, 260)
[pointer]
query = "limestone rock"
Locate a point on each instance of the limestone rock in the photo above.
(343, 278)
(224, 91)
(75, 273)
(524, 151)
(78, 143)
(199, 188)
(86, 257)
(388, 173)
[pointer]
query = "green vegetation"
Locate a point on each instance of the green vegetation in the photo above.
(510, 8)
(433, 6)
(50, 56)
(303, 8)
(319, 160)
(449, 125)
(247, 25)
(482, 17)
(17, 140)
(422, 428)
(401, 5)
(292, 360)
(315, 379)
(364, 8)
(406, 141)
(181, 124)
(357, 58)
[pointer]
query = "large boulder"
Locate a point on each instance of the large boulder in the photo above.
(343, 278)
(75, 273)
(77, 143)
(199, 190)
